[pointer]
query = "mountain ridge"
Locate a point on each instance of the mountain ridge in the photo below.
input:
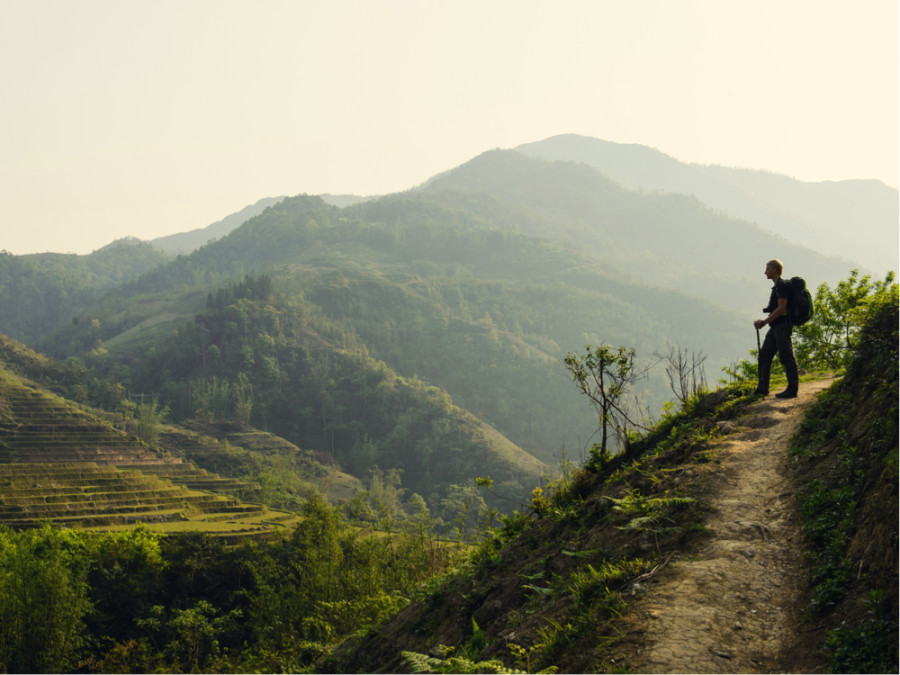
(824, 214)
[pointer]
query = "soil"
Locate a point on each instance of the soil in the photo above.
(734, 603)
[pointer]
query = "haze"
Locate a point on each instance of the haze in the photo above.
(151, 118)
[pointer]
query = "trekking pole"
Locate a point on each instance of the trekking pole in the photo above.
(758, 346)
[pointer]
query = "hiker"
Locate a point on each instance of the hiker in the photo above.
(778, 339)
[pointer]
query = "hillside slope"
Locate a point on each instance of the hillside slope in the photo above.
(42, 291)
(432, 291)
(648, 566)
(741, 535)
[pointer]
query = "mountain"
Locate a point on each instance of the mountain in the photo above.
(281, 364)
(185, 242)
(488, 323)
(856, 220)
(663, 240)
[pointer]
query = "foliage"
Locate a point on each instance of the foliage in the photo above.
(135, 602)
(866, 647)
(685, 373)
(829, 340)
(148, 420)
(44, 600)
(422, 663)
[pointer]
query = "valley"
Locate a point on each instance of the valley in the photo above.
(336, 434)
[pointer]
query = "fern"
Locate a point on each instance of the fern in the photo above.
(422, 663)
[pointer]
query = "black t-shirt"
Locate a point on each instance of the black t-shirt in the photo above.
(781, 289)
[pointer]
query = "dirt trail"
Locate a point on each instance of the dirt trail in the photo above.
(733, 605)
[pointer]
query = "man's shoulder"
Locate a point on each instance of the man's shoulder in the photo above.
(782, 285)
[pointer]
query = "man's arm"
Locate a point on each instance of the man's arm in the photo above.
(781, 309)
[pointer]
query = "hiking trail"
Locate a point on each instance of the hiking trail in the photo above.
(733, 604)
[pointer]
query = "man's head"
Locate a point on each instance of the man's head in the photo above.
(774, 269)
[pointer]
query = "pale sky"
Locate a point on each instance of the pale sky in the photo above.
(146, 118)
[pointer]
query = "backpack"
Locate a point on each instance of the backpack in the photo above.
(800, 309)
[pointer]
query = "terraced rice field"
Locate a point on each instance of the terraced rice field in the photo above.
(62, 465)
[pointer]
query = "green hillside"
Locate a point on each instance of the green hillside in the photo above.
(483, 313)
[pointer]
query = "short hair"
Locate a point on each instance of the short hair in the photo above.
(776, 263)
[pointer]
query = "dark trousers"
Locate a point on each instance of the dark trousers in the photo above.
(778, 341)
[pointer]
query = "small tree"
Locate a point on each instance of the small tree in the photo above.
(149, 420)
(605, 374)
(685, 373)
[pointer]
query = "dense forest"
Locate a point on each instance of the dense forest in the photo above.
(138, 602)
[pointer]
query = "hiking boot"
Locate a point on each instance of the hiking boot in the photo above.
(760, 392)
(787, 393)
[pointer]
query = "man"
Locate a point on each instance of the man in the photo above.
(778, 339)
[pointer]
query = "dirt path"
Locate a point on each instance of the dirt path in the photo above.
(733, 605)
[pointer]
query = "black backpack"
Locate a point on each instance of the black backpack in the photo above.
(800, 309)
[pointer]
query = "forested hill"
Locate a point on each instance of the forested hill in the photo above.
(185, 242)
(434, 292)
(39, 292)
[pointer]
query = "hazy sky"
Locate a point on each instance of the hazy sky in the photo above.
(146, 118)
